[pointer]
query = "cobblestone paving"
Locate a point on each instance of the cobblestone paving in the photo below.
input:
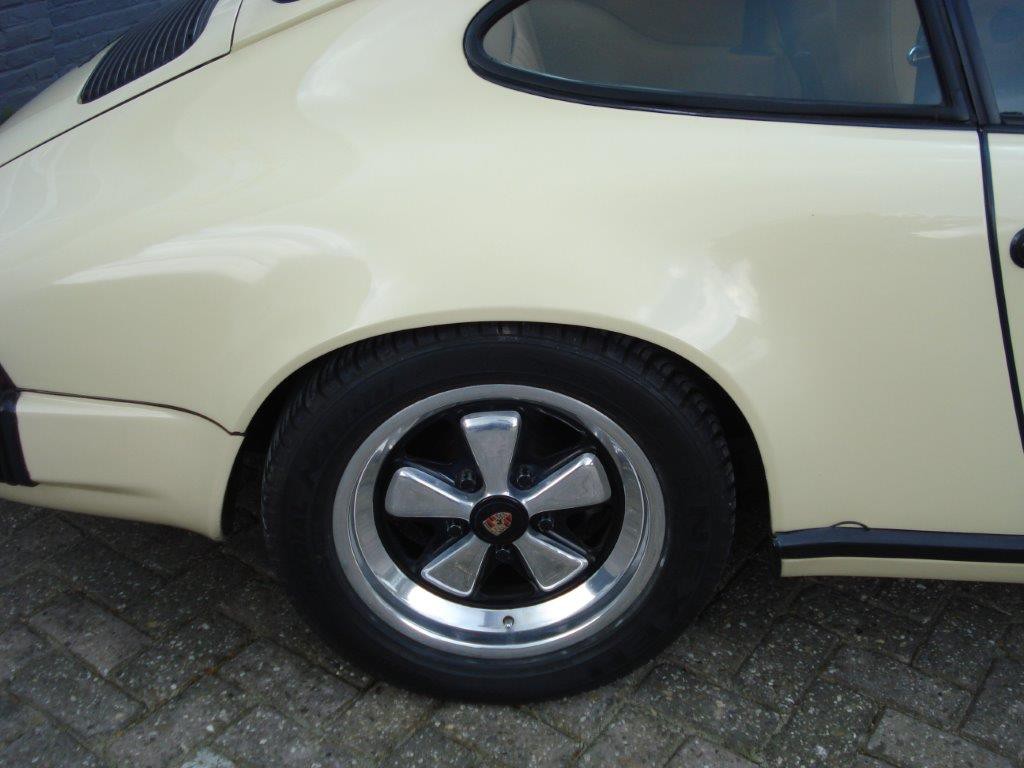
(130, 645)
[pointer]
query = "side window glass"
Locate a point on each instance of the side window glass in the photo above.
(1000, 28)
(870, 52)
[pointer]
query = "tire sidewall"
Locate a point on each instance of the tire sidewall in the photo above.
(310, 458)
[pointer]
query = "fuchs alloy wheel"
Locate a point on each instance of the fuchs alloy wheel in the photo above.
(499, 512)
(544, 544)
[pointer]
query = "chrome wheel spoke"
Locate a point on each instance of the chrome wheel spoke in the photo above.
(492, 438)
(414, 492)
(580, 483)
(550, 564)
(457, 569)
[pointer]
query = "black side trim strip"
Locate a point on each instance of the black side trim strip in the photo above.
(13, 470)
(997, 277)
(916, 545)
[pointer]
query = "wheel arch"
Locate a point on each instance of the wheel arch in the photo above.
(753, 500)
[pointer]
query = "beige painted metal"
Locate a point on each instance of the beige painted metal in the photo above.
(124, 460)
(261, 18)
(1006, 151)
(903, 569)
(350, 175)
(57, 109)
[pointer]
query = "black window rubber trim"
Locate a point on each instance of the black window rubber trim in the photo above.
(979, 81)
(13, 470)
(849, 541)
(954, 113)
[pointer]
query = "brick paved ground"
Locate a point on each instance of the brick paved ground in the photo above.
(124, 644)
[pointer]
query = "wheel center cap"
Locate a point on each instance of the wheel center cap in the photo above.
(497, 523)
(499, 519)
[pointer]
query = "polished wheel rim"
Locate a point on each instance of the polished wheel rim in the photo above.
(499, 521)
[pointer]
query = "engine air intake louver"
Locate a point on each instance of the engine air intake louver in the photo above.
(148, 46)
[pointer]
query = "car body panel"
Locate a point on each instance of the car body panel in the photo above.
(258, 19)
(57, 109)
(351, 176)
(1006, 155)
(128, 460)
(904, 568)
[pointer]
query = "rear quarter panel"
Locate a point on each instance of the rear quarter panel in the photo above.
(351, 176)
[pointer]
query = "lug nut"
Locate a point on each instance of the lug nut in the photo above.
(524, 477)
(545, 524)
(466, 481)
(455, 530)
(503, 555)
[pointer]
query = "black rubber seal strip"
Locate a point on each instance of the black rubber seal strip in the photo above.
(896, 544)
(13, 470)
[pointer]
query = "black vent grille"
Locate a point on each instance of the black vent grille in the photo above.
(148, 46)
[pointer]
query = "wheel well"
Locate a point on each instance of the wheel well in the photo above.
(752, 516)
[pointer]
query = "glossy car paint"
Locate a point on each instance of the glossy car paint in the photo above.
(262, 19)
(903, 568)
(124, 459)
(1006, 152)
(350, 175)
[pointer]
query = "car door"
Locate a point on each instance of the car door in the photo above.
(993, 32)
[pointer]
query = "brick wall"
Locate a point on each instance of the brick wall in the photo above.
(42, 39)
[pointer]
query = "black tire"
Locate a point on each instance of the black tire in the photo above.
(644, 389)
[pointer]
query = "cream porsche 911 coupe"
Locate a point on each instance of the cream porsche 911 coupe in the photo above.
(515, 303)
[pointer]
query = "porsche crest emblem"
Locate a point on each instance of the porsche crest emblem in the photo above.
(498, 523)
